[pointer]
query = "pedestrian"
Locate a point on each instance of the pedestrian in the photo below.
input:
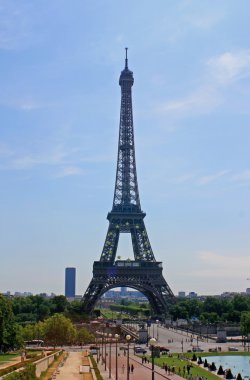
(132, 368)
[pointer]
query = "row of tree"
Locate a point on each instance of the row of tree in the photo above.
(212, 309)
(54, 330)
(37, 308)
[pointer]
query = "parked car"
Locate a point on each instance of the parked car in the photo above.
(140, 350)
(233, 349)
(197, 349)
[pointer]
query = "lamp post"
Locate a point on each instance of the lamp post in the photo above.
(102, 347)
(110, 340)
(105, 351)
(97, 332)
(128, 337)
(157, 329)
(152, 343)
(116, 357)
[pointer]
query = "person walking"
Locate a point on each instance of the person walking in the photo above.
(132, 368)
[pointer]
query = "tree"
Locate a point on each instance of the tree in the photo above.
(245, 323)
(10, 336)
(58, 330)
(60, 304)
(84, 336)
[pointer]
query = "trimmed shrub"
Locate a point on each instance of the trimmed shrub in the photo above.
(220, 371)
(28, 373)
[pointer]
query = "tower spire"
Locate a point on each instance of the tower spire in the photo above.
(126, 59)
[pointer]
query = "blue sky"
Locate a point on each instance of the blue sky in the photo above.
(60, 63)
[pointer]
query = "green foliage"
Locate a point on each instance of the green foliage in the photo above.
(29, 373)
(10, 333)
(13, 367)
(96, 369)
(245, 323)
(58, 330)
(132, 309)
(212, 309)
(84, 336)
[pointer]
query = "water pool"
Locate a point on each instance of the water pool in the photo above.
(237, 363)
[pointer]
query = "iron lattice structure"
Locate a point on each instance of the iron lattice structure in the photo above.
(126, 216)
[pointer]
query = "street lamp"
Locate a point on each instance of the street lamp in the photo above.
(110, 340)
(157, 329)
(116, 356)
(152, 343)
(128, 337)
(98, 352)
(105, 351)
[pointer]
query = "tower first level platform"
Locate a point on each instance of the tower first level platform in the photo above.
(145, 277)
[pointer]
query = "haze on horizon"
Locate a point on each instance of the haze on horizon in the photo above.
(59, 109)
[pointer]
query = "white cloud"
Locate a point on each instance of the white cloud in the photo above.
(213, 265)
(211, 178)
(201, 100)
(222, 71)
(243, 176)
(229, 66)
(69, 171)
(183, 178)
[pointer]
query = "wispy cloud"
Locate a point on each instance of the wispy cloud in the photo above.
(228, 67)
(215, 265)
(220, 72)
(201, 100)
(69, 171)
(211, 178)
(243, 176)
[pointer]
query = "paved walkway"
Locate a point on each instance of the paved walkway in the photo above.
(141, 371)
(70, 370)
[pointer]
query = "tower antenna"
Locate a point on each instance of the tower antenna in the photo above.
(126, 59)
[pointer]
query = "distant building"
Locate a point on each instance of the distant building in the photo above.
(192, 295)
(182, 294)
(123, 291)
(248, 291)
(70, 282)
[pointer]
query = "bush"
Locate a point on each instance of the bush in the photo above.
(212, 367)
(16, 366)
(29, 373)
(229, 374)
(96, 369)
(205, 364)
(194, 358)
(200, 361)
(220, 371)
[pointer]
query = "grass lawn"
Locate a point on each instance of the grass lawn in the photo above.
(178, 363)
(7, 357)
(195, 370)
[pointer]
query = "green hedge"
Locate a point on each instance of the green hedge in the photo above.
(28, 373)
(96, 369)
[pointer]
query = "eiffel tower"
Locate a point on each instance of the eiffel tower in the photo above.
(144, 273)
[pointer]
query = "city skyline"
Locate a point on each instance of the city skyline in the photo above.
(59, 106)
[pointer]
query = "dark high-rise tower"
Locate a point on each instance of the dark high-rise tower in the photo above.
(126, 216)
(70, 282)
